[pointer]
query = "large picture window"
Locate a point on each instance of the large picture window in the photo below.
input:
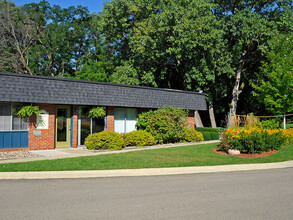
(125, 120)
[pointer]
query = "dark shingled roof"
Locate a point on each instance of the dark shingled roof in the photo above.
(39, 89)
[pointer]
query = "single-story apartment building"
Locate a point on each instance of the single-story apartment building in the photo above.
(64, 104)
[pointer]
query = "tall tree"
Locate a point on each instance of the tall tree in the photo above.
(249, 26)
(176, 44)
(17, 36)
(276, 91)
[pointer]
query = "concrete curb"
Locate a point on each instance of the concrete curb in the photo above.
(141, 172)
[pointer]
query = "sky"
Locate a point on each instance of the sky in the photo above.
(93, 5)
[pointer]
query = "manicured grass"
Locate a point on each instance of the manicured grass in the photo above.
(289, 126)
(194, 155)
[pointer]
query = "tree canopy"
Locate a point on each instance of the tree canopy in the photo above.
(215, 46)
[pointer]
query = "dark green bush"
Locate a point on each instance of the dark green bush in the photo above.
(192, 135)
(104, 140)
(215, 136)
(167, 124)
(200, 129)
(206, 135)
(138, 138)
(209, 133)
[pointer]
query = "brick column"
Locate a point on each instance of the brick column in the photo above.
(74, 128)
(191, 119)
(45, 139)
(110, 118)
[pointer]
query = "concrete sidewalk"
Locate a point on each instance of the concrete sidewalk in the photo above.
(61, 153)
(141, 172)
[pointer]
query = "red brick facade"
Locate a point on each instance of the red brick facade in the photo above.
(110, 118)
(45, 140)
(74, 129)
(191, 119)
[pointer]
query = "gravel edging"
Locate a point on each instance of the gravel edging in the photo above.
(16, 155)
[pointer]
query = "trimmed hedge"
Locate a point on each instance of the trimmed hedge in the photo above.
(105, 140)
(138, 138)
(209, 133)
(192, 135)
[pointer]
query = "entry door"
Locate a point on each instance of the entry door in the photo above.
(62, 131)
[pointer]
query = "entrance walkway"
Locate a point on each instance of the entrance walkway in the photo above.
(60, 153)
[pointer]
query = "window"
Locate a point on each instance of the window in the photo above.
(5, 117)
(18, 123)
(125, 120)
(9, 120)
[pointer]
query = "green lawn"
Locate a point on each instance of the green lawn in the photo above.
(289, 126)
(194, 155)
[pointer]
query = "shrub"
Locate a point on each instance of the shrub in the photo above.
(104, 140)
(206, 135)
(255, 140)
(206, 129)
(192, 135)
(139, 138)
(215, 135)
(270, 124)
(167, 124)
(209, 133)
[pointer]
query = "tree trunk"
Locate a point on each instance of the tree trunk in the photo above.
(198, 122)
(235, 93)
(212, 115)
(284, 121)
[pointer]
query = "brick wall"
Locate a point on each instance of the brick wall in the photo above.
(191, 119)
(45, 140)
(110, 118)
(74, 130)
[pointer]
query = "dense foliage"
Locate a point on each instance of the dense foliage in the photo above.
(217, 46)
(167, 124)
(97, 112)
(255, 140)
(209, 133)
(104, 140)
(191, 135)
(138, 138)
(27, 111)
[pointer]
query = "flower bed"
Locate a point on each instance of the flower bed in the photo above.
(255, 140)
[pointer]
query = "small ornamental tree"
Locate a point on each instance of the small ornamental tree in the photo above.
(167, 124)
(277, 90)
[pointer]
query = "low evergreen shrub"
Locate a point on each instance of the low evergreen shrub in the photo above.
(206, 135)
(138, 138)
(209, 133)
(192, 135)
(105, 140)
(200, 129)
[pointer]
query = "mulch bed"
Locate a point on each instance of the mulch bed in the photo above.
(217, 150)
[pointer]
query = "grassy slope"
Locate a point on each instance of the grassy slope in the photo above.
(195, 155)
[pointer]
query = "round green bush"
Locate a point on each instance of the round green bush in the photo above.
(192, 135)
(139, 138)
(104, 140)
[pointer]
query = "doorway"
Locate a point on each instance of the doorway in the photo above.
(63, 126)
